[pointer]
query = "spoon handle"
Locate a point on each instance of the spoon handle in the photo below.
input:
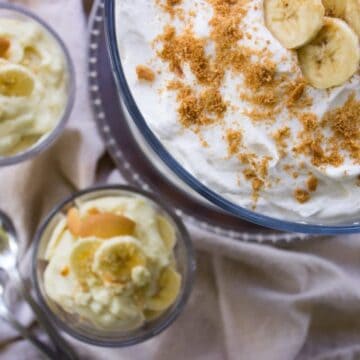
(65, 351)
(46, 351)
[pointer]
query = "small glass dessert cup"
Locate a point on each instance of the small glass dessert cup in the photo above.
(89, 319)
(37, 100)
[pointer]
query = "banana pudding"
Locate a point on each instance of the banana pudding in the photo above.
(257, 99)
(111, 262)
(33, 84)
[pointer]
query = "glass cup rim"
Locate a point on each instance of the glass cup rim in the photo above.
(181, 172)
(49, 138)
(168, 320)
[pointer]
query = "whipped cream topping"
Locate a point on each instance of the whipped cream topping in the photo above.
(285, 191)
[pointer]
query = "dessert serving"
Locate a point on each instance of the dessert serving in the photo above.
(33, 84)
(111, 262)
(259, 100)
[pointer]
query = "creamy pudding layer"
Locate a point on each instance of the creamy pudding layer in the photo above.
(232, 106)
(33, 84)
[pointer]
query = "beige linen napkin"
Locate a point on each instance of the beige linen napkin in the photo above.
(250, 301)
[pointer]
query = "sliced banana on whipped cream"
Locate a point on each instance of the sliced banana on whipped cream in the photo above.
(327, 46)
(332, 57)
(294, 22)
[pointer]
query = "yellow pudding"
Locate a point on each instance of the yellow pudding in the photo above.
(33, 84)
(111, 261)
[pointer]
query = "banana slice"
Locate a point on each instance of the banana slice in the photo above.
(82, 257)
(16, 81)
(294, 22)
(348, 10)
(168, 290)
(167, 232)
(335, 8)
(107, 225)
(352, 14)
(116, 258)
(102, 225)
(332, 57)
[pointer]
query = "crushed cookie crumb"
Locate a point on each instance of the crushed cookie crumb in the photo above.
(249, 174)
(258, 75)
(257, 184)
(173, 2)
(345, 124)
(171, 7)
(266, 116)
(268, 99)
(233, 139)
(296, 94)
(198, 109)
(288, 168)
(145, 73)
(187, 48)
(246, 158)
(212, 102)
(302, 196)
(280, 137)
(312, 143)
(263, 169)
(312, 183)
(324, 149)
(65, 271)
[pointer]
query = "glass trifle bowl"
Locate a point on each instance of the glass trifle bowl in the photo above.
(123, 276)
(202, 189)
(37, 90)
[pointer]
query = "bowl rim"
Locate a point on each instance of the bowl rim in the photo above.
(188, 282)
(47, 139)
(182, 173)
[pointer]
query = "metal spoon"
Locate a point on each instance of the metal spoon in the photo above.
(9, 263)
(7, 316)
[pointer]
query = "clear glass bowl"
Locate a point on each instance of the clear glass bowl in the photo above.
(187, 179)
(16, 12)
(84, 331)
